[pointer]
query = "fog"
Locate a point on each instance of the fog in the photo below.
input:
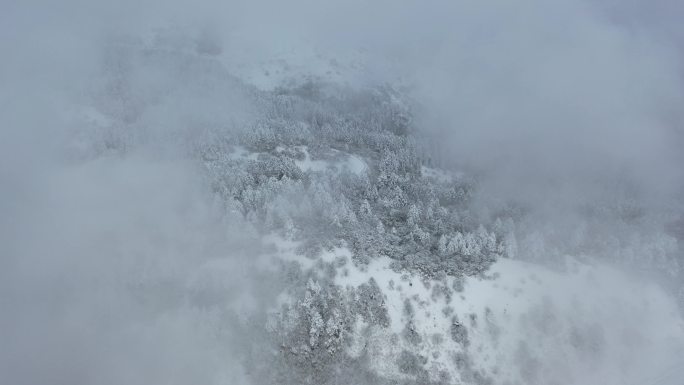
(561, 97)
(557, 107)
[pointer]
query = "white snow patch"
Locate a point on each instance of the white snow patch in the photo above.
(309, 164)
(241, 153)
(440, 175)
(355, 164)
(334, 160)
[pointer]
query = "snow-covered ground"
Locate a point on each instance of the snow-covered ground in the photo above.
(338, 161)
(521, 323)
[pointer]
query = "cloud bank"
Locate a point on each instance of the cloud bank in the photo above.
(555, 104)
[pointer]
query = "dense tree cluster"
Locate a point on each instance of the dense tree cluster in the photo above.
(391, 208)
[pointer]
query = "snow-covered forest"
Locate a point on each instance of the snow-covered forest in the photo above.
(341, 193)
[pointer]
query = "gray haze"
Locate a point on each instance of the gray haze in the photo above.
(553, 105)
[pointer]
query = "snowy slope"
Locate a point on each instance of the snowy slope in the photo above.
(522, 323)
